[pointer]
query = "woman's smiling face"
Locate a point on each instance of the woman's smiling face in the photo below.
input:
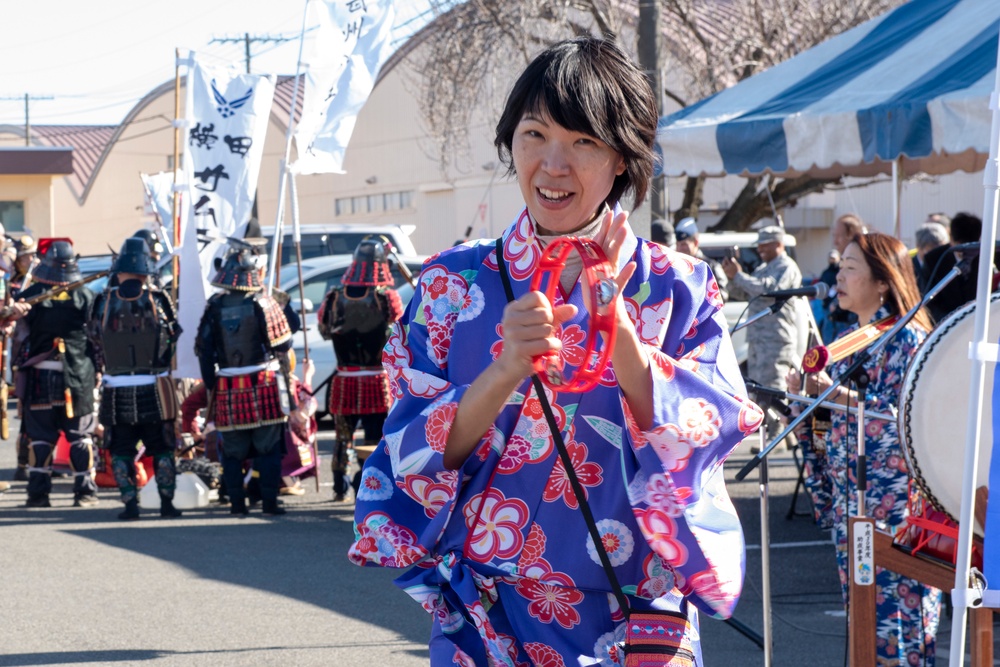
(564, 175)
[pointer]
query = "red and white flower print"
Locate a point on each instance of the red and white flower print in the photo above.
(661, 534)
(551, 600)
(663, 363)
(534, 548)
(699, 421)
(572, 351)
(495, 523)
(588, 472)
(431, 495)
(658, 580)
(423, 385)
(661, 494)
(713, 295)
(651, 322)
(543, 655)
(383, 542)
(673, 448)
(438, 425)
(439, 335)
(658, 259)
(516, 453)
(395, 352)
(682, 263)
(520, 249)
(719, 595)
(751, 416)
(497, 347)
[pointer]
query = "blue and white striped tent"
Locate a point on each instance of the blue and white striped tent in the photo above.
(914, 83)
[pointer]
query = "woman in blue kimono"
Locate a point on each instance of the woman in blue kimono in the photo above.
(876, 281)
(467, 485)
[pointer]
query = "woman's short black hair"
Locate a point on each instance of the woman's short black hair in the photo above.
(589, 85)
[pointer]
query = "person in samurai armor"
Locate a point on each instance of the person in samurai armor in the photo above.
(243, 349)
(59, 377)
(134, 329)
(358, 318)
(25, 248)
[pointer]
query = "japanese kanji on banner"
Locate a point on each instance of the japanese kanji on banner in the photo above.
(226, 118)
(344, 56)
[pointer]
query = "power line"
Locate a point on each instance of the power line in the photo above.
(27, 102)
(247, 39)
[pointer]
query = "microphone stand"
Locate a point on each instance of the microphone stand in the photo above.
(779, 301)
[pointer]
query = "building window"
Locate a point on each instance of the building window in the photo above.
(12, 215)
(373, 204)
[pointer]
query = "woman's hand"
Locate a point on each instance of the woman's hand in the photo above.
(611, 237)
(530, 325)
(816, 383)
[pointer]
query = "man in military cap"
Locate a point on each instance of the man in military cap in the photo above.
(358, 317)
(686, 233)
(59, 377)
(242, 347)
(771, 341)
(134, 330)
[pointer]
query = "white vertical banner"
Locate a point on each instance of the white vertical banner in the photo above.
(226, 115)
(344, 55)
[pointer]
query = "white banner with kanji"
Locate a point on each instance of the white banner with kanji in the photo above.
(226, 116)
(343, 55)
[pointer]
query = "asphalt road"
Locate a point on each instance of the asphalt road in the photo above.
(82, 588)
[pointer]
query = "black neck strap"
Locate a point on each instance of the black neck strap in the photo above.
(574, 482)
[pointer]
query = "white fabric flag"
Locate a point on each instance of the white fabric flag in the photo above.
(226, 116)
(160, 197)
(344, 56)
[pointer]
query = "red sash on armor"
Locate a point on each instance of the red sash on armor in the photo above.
(278, 330)
(357, 390)
(247, 401)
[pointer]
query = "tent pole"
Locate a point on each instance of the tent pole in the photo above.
(897, 194)
(963, 596)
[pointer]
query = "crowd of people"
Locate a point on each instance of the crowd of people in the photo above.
(540, 521)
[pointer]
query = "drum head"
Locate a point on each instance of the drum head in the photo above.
(933, 411)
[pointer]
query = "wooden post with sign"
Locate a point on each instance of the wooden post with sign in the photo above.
(861, 607)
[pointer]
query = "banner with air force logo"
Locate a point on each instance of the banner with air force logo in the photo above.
(345, 53)
(226, 121)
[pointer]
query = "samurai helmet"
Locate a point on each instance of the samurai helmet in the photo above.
(134, 258)
(370, 266)
(153, 244)
(25, 245)
(58, 265)
(239, 271)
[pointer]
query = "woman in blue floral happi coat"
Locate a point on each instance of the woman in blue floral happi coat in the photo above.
(876, 282)
(467, 485)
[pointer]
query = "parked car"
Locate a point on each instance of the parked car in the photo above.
(319, 276)
(325, 240)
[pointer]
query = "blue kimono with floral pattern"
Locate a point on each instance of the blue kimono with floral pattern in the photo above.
(502, 556)
(907, 611)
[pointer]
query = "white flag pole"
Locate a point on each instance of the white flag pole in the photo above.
(964, 596)
(283, 167)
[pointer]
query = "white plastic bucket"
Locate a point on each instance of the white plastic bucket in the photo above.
(191, 492)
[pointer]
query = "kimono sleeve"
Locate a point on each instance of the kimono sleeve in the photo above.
(674, 469)
(406, 494)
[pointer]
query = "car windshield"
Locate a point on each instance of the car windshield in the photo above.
(320, 245)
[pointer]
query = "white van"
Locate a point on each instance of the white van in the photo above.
(322, 240)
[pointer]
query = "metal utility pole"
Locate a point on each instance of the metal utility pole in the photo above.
(649, 60)
(247, 38)
(27, 119)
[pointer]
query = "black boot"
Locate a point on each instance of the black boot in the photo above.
(339, 486)
(239, 506)
(131, 512)
(272, 507)
(167, 509)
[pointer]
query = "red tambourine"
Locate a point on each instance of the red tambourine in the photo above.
(600, 299)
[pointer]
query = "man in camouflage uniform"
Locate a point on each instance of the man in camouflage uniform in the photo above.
(772, 340)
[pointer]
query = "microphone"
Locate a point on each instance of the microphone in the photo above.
(770, 397)
(816, 291)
